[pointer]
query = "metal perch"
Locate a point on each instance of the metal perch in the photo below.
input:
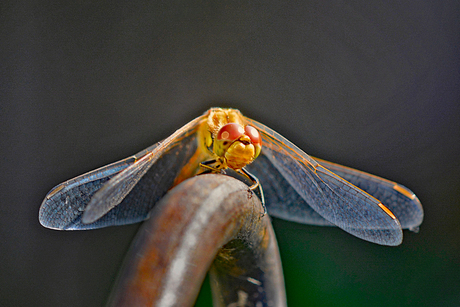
(207, 222)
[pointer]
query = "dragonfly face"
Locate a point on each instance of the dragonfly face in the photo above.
(233, 145)
(298, 187)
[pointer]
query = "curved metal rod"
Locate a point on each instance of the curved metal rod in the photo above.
(204, 218)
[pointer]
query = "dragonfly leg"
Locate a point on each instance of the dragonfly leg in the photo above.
(256, 185)
(208, 166)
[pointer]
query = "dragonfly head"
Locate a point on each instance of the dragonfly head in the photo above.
(239, 146)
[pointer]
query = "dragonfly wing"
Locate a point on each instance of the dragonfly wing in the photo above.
(284, 202)
(399, 199)
(125, 195)
(281, 199)
(334, 198)
(66, 202)
(114, 191)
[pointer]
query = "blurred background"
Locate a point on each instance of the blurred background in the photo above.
(372, 85)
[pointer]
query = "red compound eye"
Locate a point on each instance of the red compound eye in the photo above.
(253, 134)
(231, 132)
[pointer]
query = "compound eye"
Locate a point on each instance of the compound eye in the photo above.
(230, 132)
(253, 134)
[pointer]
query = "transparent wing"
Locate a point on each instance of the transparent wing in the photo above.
(396, 197)
(335, 199)
(114, 191)
(284, 202)
(65, 203)
(281, 200)
(122, 192)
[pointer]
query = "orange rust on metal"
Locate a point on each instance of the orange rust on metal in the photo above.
(175, 248)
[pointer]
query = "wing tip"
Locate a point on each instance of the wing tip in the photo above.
(404, 191)
(387, 211)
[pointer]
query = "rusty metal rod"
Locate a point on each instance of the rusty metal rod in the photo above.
(206, 220)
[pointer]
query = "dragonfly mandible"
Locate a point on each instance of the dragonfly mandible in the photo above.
(297, 187)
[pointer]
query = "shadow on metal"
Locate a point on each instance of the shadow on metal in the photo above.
(207, 223)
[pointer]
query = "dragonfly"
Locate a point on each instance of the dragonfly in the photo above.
(296, 186)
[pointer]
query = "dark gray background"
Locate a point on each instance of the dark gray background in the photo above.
(369, 84)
